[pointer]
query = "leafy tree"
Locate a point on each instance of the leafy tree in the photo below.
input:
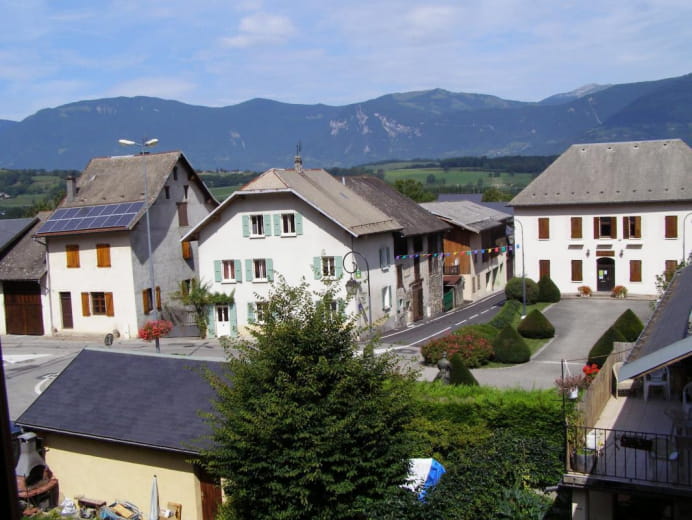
(414, 190)
(308, 429)
(494, 194)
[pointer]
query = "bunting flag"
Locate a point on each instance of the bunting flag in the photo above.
(502, 249)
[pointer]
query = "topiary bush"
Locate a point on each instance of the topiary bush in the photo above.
(547, 290)
(483, 330)
(473, 348)
(629, 325)
(513, 290)
(536, 325)
(459, 374)
(604, 346)
(506, 316)
(510, 347)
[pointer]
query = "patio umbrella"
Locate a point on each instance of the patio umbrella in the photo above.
(154, 501)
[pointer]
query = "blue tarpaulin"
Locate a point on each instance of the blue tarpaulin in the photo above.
(424, 474)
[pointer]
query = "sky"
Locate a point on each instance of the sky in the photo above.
(223, 52)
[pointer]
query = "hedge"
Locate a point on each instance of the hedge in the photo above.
(510, 347)
(536, 325)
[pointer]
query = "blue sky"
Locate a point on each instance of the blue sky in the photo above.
(223, 52)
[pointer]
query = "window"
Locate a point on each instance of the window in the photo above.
(400, 276)
(257, 225)
(185, 190)
(97, 304)
(72, 252)
(103, 255)
(605, 227)
(288, 224)
(328, 267)
(671, 267)
(671, 226)
(576, 270)
(175, 173)
(543, 268)
(257, 312)
(185, 286)
(635, 270)
(575, 227)
(385, 258)
(186, 249)
(182, 214)
(632, 227)
(158, 298)
(231, 270)
(387, 298)
(543, 228)
(417, 244)
(258, 270)
(167, 192)
(147, 304)
(400, 246)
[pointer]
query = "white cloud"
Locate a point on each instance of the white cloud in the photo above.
(261, 29)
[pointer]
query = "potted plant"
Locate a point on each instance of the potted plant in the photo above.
(584, 290)
(582, 458)
(570, 385)
(619, 291)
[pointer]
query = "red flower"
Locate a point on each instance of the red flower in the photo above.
(155, 329)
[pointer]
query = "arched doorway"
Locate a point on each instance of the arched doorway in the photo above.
(605, 270)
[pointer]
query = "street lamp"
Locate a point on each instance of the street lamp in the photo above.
(523, 268)
(147, 144)
(353, 285)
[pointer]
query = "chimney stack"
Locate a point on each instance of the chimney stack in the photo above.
(71, 189)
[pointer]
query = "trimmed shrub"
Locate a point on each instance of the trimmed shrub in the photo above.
(604, 346)
(547, 290)
(629, 325)
(536, 325)
(483, 330)
(506, 315)
(459, 373)
(513, 290)
(510, 347)
(474, 349)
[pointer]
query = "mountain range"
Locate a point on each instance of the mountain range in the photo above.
(261, 133)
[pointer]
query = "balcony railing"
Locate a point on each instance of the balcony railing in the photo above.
(451, 269)
(647, 458)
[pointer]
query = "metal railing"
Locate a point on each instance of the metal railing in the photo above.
(630, 456)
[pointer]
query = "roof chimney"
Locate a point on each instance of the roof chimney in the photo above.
(71, 188)
(298, 160)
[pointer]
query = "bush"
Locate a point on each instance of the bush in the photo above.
(547, 290)
(510, 347)
(506, 315)
(536, 325)
(604, 346)
(483, 330)
(513, 290)
(629, 325)
(459, 372)
(474, 349)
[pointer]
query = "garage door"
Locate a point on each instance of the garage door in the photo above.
(23, 313)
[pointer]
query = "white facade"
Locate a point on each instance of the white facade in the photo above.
(297, 242)
(619, 244)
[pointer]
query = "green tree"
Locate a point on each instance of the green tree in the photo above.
(413, 189)
(308, 429)
(494, 194)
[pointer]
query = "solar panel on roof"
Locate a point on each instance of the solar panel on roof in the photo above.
(92, 217)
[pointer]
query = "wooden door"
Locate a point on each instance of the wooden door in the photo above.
(210, 489)
(417, 300)
(23, 311)
(66, 310)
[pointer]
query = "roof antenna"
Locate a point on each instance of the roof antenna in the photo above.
(298, 160)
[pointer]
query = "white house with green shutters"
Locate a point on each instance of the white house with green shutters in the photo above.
(302, 225)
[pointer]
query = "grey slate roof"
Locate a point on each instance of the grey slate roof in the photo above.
(414, 219)
(26, 260)
(11, 228)
(324, 192)
(467, 214)
(119, 179)
(668, 326)
(150, 400)
(637, 171)
(478, 199)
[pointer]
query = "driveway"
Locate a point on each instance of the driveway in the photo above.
(578, 322)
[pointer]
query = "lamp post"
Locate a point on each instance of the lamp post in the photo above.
(147, 144)
(523, 268)
(352, 285)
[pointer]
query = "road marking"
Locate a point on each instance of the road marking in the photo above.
(460, 323)
(18, 358)
(474, 316)
(446, 329)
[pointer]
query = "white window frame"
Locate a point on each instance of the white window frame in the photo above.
(259, 270)
(257, 225)
(328, 267)
(288, 224)
(228, 274)
(387, 298)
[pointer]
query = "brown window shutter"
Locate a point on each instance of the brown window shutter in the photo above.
(597, 227)
(85, 304)
(182, 214)
(635, 270)
(575, 225)
(146, 301)
(671, 226)
(614, 224)
(103, 255)
(110, 311)
(158, 298)
(637, 227)
(543, 268)
(626, 227)
(72, 251)
(543, 228)
(576, 271)
(671, 266)
(187, 250)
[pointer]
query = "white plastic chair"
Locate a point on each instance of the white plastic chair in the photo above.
(661, 378)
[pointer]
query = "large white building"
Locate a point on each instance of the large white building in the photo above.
(607, 214)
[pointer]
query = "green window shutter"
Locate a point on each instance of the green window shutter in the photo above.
(211, 320)
(389, 257)
(338, 266)
(267, 225)
(238, 271)
(317, 267)
(246, 225)
(277, 224)
(299, 224)
(270, 269)
(233, 319)
(217, 270)
(250, 312)
(248, 269)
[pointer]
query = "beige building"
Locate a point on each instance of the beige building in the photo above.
(111, 421)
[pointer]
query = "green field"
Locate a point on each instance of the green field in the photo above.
(456, 178)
